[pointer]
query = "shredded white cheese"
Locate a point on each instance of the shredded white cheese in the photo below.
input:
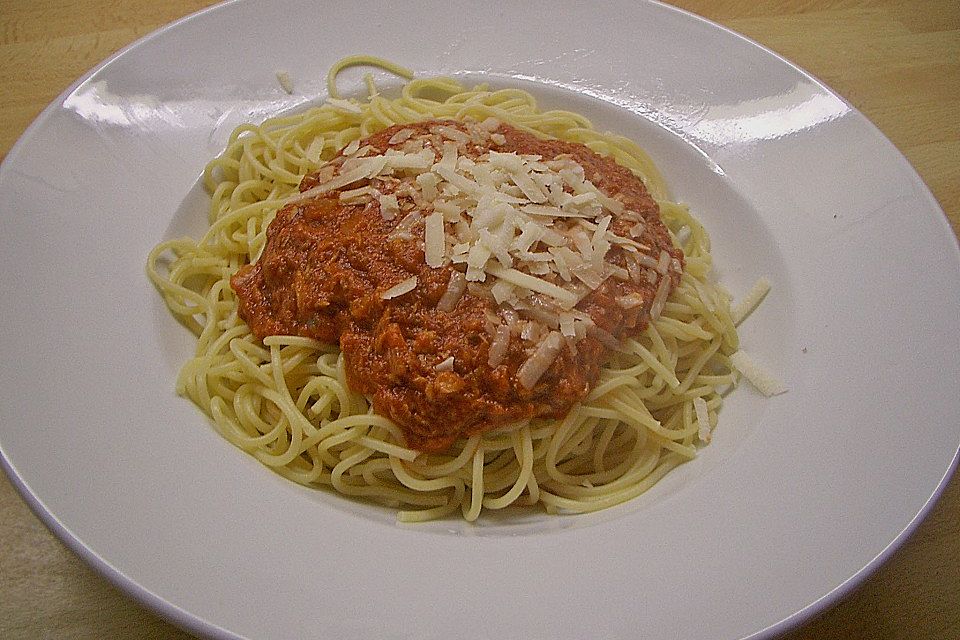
(401, 136)
(455, 289)
(536, 365)
(499, 346)
(352, 147)
(406, 286)
(389, 207)
(285, 82)
(361, 172)
(515, 226)
(565, 297)
(764, 382)
(660, 297)
(344, 105)
(446, 365)
(749, 302)
(630, 301)
(435, 242)
(359, 194)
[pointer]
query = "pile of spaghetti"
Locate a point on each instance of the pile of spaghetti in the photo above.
(286, 400)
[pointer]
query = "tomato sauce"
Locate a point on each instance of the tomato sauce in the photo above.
(326, 265)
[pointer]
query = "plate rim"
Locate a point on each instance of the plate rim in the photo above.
(193, 623)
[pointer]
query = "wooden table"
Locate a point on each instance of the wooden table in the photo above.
(897, 62)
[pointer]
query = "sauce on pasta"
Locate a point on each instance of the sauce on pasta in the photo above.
(330, 259)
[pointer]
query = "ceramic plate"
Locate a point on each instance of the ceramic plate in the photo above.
(799, 496)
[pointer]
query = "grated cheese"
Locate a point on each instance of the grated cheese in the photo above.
(502, 291)
(358, 194)
(343, 180)
(446, 365)
(352, 148)
(515, 226)
(286, 83)
(389, 207)
(455, 288)
(630, 301)
(499, 346)
(660, 298)
(536, 365)
(401, 136)
(749, 302)
(451, 133)
(435, 243)
(567, 325)
(428, 185)
(406, 286)
(344, 105)
(764, 382)
(315, 149)
(663, 263)
(532, 283)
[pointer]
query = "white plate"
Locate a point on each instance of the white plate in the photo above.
(798, 498)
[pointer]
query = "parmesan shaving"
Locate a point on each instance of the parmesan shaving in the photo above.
(362, 151)
(365, 170)
(286, 83)
(389, 208)
(344, 105)
(315, 149)
(567, 328)
(604, 336)
(499, 346)
(663, 263)
(353, 195)
(422, 160)
(446, 365)
(743, 308)
(400, 136)
(502, 291)
(614, 206)
(352, 148)
(630, 300)
(553, 212)
(398, 290)
(764, 382)
(536, 365)
(451, 133)
(428, 186)
(406, 225)
(455, 288)
(660, 298)
(532, 283)
(704, 430)
(435, 243)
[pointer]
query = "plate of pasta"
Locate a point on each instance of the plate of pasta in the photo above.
(426, 328)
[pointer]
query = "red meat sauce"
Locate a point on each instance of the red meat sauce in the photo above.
(326, 265)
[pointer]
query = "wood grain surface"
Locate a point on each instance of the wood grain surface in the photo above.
(897, 62)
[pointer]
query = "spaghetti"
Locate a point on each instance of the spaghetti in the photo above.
(286, 401)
